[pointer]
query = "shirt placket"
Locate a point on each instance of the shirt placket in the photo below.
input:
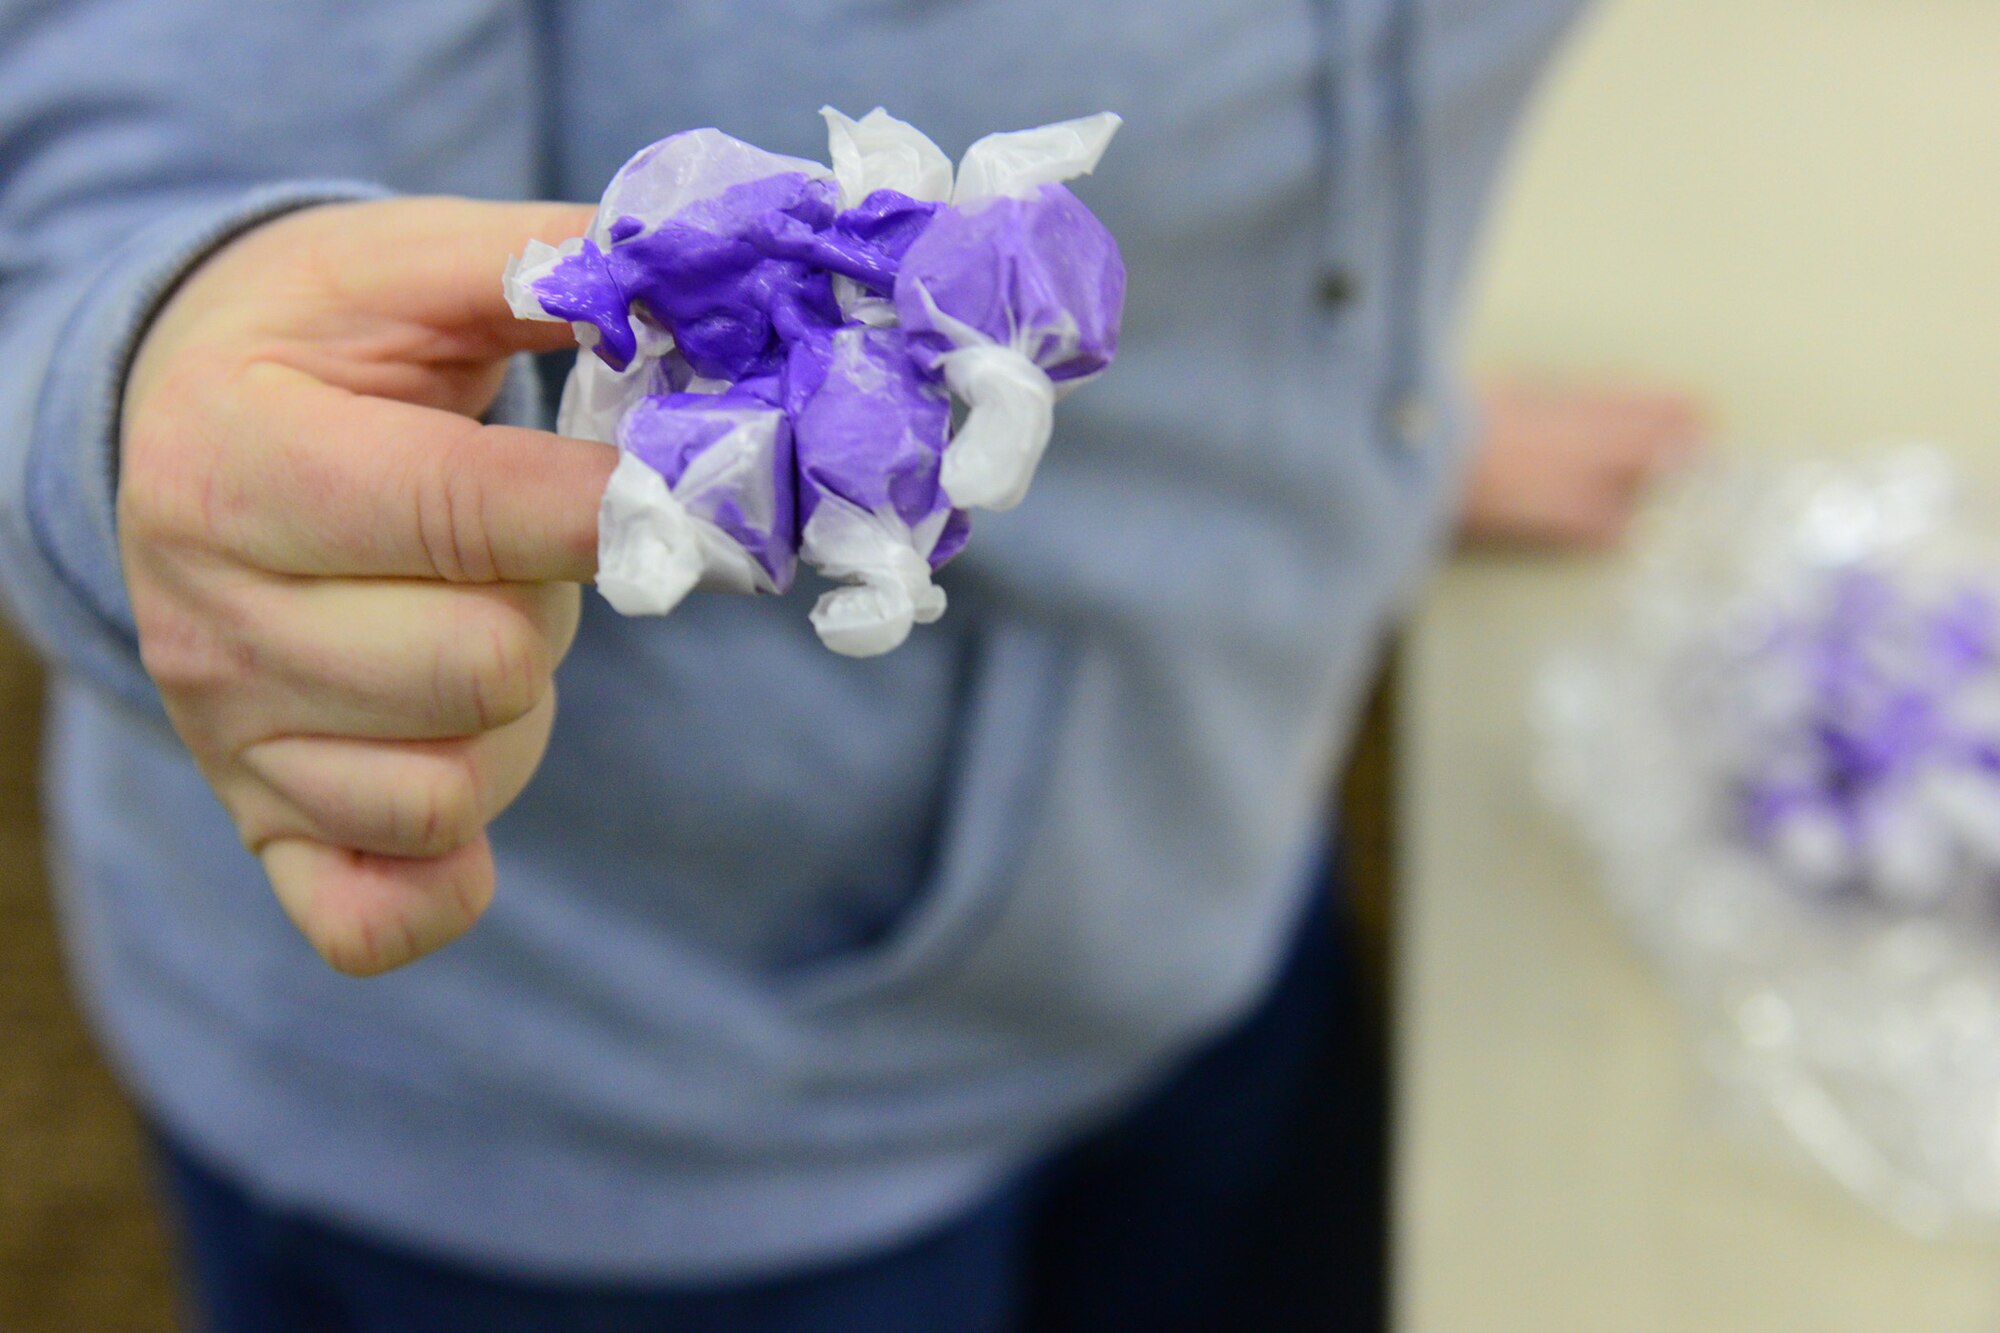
(1405, 413)
(1371, 136)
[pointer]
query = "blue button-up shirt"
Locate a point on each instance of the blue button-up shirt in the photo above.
(791, 953)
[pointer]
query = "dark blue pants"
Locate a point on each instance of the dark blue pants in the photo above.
(1243, 1193)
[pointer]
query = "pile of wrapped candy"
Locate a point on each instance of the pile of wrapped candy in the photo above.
(777, 346)
(1864, 728)
(1783, 750)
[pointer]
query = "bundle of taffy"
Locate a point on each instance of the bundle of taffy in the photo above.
(1783, 746)
(777, 345)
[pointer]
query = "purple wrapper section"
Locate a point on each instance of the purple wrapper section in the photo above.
(791, 383)
(1041, 275)
(951, 540)
(730, 277)
(873, 434)
(580, 289)
(1881, 670)
(736, 277)
(864, 243)
(721, 277)
(751, 495)
(885, 224)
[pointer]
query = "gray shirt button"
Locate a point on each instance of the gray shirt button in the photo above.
(1413, 421)
(1336, 289)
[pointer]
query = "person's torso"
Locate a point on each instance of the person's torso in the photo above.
(757, 888)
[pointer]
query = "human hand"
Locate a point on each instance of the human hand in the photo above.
(1567, 467)
(351, 594)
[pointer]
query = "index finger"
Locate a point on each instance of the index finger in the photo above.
(444, 270)
(317, 480)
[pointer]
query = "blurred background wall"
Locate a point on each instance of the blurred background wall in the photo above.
(1791, 205)
(1793, 208)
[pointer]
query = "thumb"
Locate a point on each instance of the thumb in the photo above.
(366, 913)
(437, 262)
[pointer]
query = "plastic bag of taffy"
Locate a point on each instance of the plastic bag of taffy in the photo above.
(1780, 741)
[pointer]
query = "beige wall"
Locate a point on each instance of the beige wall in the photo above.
(1793, 205)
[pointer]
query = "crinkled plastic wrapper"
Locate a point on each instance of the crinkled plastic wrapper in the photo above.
(872, 511)
(775, 344)
(1783, 748)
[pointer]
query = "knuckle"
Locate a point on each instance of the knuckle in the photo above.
(507, 669)
(444, 812)
(188, 655)
(311, 896)
(356, 947)
(168, 648)
(161, 474)
(358, 940)
(254, 830)
(175, 485)
(258, 819)
(451, 513)
(427, 806)
(343, 907)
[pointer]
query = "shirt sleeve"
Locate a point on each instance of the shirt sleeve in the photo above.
(137, 137)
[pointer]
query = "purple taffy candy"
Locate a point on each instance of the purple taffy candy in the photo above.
(1014, 300)
(580, 289)
(736, 276)
(872, 434)
(1871, 775)
(729, 277)
(728, 459)
(869, 441)
(792, 381)
(744, 309)
(877, 233)
(865, 243)
(1041, 275)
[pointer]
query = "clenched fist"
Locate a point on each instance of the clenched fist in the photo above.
(351, 594)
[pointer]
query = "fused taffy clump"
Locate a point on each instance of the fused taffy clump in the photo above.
(775, 344)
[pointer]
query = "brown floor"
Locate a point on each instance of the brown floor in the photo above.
(80, 1246)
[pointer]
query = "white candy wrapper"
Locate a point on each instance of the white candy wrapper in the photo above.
(1784, 750)
(701, 497)
(880, 152)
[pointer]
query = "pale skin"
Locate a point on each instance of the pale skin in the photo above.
(1566, 466)
(351, 594)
